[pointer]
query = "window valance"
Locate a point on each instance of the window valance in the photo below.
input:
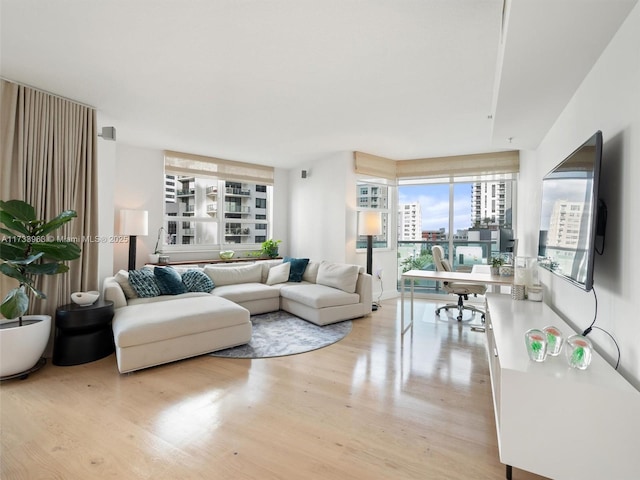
(374, 166)
(474, 165)
(202, 166)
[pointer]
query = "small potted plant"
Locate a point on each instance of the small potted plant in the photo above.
(496, 263)
(270, 248)
(27, 251)
(155, 256)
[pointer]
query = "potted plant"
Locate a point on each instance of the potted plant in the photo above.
(270, 248)
(155, 256)
(27, 251)
(496, 263)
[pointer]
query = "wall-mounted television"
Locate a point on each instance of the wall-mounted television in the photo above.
(569, 215)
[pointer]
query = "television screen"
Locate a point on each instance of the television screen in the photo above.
(569, 215)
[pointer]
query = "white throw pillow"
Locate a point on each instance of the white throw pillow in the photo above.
(338, 275)
(122, 277)
(233, 275)
(311, 272)
(279, 274)
(266, 266)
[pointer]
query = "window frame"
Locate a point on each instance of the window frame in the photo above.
(220, 220)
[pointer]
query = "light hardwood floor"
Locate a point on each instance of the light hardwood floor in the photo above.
(368, 407)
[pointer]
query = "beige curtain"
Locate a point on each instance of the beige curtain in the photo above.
(49, 160)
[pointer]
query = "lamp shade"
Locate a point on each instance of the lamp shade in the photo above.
(134, 222)
(370, 223)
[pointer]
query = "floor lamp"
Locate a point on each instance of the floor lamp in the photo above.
(132, 224)
(370, 224)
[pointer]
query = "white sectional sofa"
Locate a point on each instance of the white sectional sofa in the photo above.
(160, 328)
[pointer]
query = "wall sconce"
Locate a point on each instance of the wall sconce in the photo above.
(132, 224)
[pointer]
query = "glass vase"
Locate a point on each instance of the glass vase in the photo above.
(554, 340)
(578, 351)
(536, 341)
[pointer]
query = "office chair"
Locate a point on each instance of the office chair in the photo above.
(463, 290)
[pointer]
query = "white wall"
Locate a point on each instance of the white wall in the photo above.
(139, 185)
(607, 100)
(319, 214)
(106, 173)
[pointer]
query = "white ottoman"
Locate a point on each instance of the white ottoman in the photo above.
(154, 333)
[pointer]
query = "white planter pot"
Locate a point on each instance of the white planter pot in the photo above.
(22, 347)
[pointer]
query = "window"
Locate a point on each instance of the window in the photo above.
(372, 196)
(215, 203)
(457, 215)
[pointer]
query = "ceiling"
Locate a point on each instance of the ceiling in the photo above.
(286, 82)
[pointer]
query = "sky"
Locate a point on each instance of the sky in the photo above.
(434, 201)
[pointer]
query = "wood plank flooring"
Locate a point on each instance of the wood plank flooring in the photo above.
(368, 407)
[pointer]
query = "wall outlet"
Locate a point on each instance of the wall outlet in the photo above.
(378, 273)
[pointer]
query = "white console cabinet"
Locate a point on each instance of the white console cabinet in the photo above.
(553, 420)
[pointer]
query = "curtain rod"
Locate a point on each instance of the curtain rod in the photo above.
(48, 93)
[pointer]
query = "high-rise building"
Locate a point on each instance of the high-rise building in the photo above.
(491, 203)
(409, 222)
(170, 188)
(376, 197)
(241, 206)
(564, 224)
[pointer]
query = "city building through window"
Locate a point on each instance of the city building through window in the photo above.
(215, 203)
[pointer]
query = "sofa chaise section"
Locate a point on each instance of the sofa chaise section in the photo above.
(149, 334)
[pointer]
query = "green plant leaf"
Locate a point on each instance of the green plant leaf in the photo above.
(46, 268)
(15, 304)
(57, 222)
(36, 292)
(19, 210)
(10, 250)
(11, 270)
(58, 250)
(16, 226)
(7, 233)
(30, 259)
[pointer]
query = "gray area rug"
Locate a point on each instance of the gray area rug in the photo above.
(278, 334)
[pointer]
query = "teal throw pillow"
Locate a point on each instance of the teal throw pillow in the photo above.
(169, 281)
(197, 281)
(298, 266)
(144, 283)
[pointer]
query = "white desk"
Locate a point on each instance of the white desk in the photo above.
(413, 275)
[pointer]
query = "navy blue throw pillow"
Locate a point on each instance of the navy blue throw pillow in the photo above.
(298, 266)
(169, 281)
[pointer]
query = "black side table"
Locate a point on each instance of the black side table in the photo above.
(83, 334)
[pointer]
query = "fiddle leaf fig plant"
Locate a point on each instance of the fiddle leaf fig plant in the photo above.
(27, 250)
